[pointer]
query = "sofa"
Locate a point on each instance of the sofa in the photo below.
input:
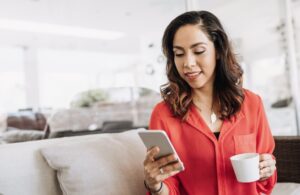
(28, 125)
(26, 120)
(108, 164)
(24, 125)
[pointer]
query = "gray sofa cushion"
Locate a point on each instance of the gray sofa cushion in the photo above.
(24, 170)
(107, 164)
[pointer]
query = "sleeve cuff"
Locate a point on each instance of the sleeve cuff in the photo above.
(266, 186)
(172, 189)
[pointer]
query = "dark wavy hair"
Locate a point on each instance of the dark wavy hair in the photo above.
(228, 91)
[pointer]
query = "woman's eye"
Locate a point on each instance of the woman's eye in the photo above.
(199, 52)
(178, 54)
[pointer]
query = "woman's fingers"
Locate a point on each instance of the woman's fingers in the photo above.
(165, 160)
(165, 175)
(173, 167)
(266, 160)
(267, 172)
(263, 157)
(150, 155)
(157, 170)
(267, 166)
(169, 171)
(267, 163)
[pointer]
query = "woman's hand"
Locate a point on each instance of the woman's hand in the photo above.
(156, 171)
(267, 166)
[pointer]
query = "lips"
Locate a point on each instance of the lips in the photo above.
(192, 75)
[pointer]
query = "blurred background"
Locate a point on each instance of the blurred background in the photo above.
(53, 50)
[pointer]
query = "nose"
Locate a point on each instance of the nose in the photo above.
(189, 60)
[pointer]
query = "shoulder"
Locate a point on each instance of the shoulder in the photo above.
(162, 109)
(252, 102)
(251, 97)
(160, 117)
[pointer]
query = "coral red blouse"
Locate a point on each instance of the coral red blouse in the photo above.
(208, 170)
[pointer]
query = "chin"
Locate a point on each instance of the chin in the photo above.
(196, 86)
(199, 84)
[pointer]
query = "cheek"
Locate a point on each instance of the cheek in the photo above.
(179, 67)
(208, 59)
(209, 65)
(177, 62)
(208, 70)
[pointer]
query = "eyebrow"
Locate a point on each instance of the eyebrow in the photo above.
(192, 46)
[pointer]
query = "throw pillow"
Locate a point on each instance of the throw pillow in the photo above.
(18, 135)
(108, 164)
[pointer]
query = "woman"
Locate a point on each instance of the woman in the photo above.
(207, 115)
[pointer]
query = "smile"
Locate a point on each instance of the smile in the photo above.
(192, 75)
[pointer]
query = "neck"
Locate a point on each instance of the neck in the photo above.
(203, 97)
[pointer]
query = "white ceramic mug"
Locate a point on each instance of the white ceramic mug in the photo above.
(246, 167)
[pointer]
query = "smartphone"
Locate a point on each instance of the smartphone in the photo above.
(158, 138)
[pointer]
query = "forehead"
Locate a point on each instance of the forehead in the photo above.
(188, 35)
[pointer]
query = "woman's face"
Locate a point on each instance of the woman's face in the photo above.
(194, 56)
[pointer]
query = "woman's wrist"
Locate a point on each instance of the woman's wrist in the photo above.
(154, 190)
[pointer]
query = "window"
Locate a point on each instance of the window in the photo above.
(63, 74)
(12, 85)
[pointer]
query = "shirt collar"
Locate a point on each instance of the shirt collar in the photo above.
(194, 119)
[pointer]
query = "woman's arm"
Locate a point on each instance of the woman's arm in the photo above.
(159, 173)
(168, 187)
(164, 191)
(265, 147)
(171, 183)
